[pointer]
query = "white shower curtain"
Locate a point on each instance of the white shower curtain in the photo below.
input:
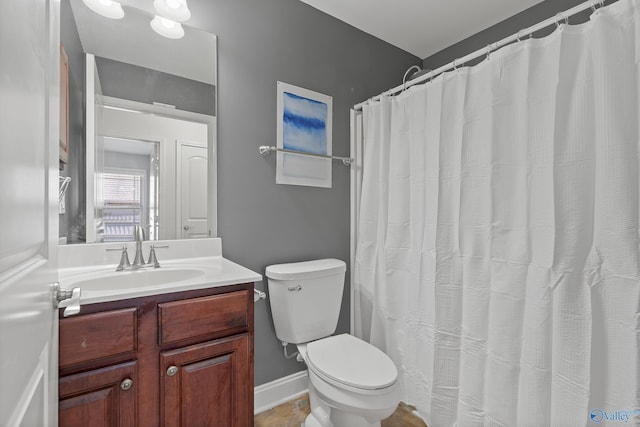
(498, 258)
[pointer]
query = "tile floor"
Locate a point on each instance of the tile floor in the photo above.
(292, 414)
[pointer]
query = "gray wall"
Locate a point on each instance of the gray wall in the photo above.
(525, 19)
(261, 223)
(128, 81)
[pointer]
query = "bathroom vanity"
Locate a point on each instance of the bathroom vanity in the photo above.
(174, 354)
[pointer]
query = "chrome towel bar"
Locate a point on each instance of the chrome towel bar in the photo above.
(265, 149)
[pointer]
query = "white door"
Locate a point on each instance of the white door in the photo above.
(192, 191)
(29, 139)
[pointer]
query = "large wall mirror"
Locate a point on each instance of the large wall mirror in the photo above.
(138, 127)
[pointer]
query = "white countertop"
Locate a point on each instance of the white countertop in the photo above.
(86, 266)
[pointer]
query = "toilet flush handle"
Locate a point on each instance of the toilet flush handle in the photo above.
(258, 295)
(294, 288)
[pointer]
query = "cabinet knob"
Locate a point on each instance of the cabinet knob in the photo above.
(172, 370)
(126, 384)
(186, 228)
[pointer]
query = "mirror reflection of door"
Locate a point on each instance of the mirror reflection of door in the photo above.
(192, 191)
(142, 182)
(129, 189)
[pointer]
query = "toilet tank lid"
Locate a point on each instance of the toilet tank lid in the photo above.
(306, 269)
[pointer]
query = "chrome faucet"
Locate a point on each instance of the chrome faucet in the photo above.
(139, 237)
(138, 261)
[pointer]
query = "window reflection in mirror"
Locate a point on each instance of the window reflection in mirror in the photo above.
(130, 189)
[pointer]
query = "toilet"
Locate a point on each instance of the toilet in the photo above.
(351, 382)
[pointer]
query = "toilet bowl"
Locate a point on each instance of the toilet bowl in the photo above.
(351, 382)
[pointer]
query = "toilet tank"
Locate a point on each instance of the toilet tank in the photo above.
(305, 298)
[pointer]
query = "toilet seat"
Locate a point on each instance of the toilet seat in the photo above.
(351, 361)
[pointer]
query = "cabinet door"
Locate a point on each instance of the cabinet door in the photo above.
(207, 385)
(102, 397)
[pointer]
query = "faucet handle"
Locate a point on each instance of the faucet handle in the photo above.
(153, 260)
(124, 258)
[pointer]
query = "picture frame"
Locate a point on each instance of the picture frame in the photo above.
(304, 125)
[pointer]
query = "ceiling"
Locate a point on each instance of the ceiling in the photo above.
(422, 27)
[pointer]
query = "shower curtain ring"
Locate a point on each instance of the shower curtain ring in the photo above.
(455, 64)
(597, 4)
(560, 17)
(488, 51)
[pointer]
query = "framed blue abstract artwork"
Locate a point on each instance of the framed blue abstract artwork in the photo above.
(304, 125)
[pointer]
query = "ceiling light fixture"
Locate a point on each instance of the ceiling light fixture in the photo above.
(107, 8)
(167, 28)
(175, 10)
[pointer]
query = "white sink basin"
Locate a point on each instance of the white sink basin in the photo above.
(102, 284)
(185, 265)
(123, 280)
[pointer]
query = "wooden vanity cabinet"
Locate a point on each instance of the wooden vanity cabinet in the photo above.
(99, 397)
(216, 366)
(181, 359)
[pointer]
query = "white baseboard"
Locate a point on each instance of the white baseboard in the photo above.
(277, 392)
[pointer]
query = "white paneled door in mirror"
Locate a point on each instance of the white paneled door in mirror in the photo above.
(191, 187)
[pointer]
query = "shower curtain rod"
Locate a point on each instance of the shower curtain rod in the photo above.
(557, 19)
